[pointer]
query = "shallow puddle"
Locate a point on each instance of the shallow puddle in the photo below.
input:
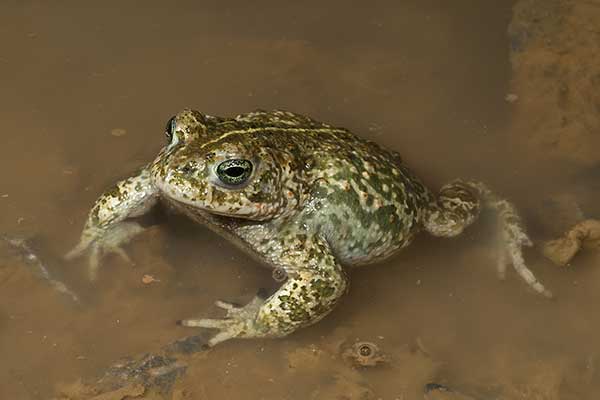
(85, 95)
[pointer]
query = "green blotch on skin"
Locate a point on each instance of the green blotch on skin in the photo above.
(321, 288)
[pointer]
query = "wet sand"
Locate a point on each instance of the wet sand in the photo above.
(425, 78)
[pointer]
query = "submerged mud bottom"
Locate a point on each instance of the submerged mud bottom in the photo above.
(155, 376)
(138, 377)
(174, 371)
(159, 375)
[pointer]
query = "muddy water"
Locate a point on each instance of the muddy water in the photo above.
(423, 77)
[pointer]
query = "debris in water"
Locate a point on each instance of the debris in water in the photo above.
(118, 132)
(38, 268)
(148, 279)
(134, 377)
(436, 391)
(585, 234)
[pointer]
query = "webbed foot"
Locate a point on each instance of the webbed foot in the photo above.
(238, 322)
(99, 243)
(458, 205)
(515, 254)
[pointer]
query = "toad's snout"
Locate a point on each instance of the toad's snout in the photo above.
(188, 169)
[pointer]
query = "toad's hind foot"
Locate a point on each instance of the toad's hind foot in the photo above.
(238, 322)
(516, 256)
(313, 286)
(458, 205)
(512, 237)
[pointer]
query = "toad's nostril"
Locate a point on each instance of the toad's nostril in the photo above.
(187, 169)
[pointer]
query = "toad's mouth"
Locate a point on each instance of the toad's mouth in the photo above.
(223, 225)
(197, 214)
(204, 212)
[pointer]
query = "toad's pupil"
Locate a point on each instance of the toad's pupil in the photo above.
(235, 171)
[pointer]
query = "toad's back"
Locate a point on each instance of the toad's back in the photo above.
(357, 195)
(364, 200)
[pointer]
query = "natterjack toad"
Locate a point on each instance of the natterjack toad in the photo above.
(301, 196)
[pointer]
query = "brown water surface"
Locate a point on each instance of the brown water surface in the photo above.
(426, 78)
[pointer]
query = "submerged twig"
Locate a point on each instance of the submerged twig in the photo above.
(37, 266)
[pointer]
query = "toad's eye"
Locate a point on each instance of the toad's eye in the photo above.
(170, 129)
(234, 172)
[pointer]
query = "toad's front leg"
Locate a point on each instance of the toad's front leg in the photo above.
(315, 282)
(106, 228)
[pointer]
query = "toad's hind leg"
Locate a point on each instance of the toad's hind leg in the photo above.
(458, 205)
(315, 283)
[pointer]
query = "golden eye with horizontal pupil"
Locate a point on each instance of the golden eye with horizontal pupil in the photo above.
(170, 129)
(234, 172)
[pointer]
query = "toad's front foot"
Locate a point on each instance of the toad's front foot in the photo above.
(99, 243)
(240, 322)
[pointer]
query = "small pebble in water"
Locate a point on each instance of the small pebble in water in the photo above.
(118, 132)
